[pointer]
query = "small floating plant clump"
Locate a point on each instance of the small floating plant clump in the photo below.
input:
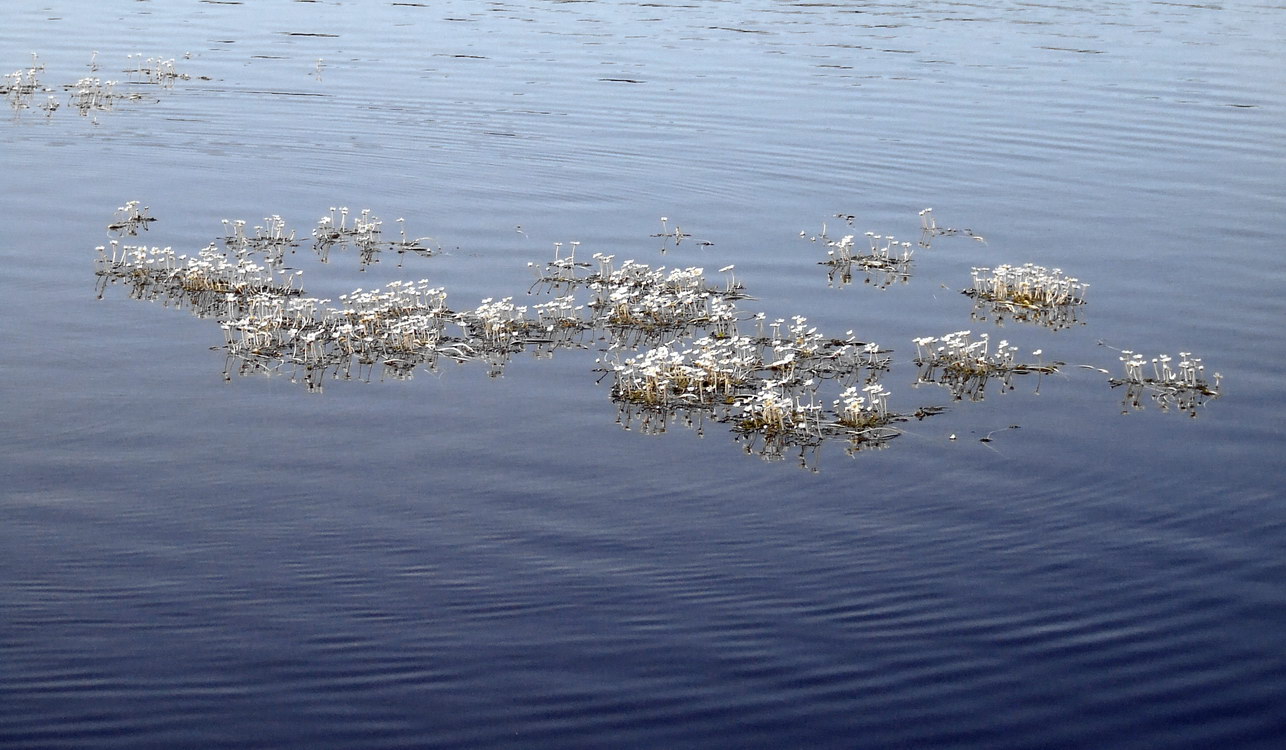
(883, 259)
(777, 418)
(365, 234)
(674, 307)
(766, 387)
(884, 262)
(929, 229)
(799, 350)
(398, 328)
(721, 370)
(1180, 385)
(1027, 293)
(964, 365)
(672, 237)
(504, 326)
(641, 304)
(96, 95)
(780, 412)
(129, 219)
(709, 373)
(200, 281)
(154, 70)
(271, 238)
(333, 230)
(564, 271)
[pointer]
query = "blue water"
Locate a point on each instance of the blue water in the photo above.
(458, 560)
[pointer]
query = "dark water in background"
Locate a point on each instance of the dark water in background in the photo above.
(473, 562)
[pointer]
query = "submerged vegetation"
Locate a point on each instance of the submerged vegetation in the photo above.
(674, 343)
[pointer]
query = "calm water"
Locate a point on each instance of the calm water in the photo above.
(465, 561)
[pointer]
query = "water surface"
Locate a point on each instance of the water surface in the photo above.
(463, 561)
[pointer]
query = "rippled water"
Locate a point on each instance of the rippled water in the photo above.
(465, 561)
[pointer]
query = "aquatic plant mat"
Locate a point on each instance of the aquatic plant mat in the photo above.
(675, 345)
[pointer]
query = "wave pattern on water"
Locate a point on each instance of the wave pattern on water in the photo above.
(456, 561)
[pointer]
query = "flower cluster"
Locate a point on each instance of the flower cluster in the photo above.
(884, 260)
(862, 412)
(562, 271)
(155, 70)
(96, 95)
(1027, 285)
(643, 304)
(269, 325)
(334, 230)
(965, 365)
(156, 272)
(89, 94)
(929, 229)
(712, 371)
(677, 347)
(129, 219)
(21, 85)
(766, 385)
(1181, 385)
(1027, 293)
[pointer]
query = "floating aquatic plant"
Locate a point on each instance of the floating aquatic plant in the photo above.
(96, 95)
(154, 70)
(766, 387)
(564, 271)
(675, 344)
(270, 238)
(929, 229)
(884, 262)
(882, 258)
(365, 234)
(20, 86)
(778, 418)
(671, 238)
(1027, 293)
(89, 94)
(964, 365)
(641, 304)
(160, 273)
(129, 219)
(269, 325)
(1180, 385)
